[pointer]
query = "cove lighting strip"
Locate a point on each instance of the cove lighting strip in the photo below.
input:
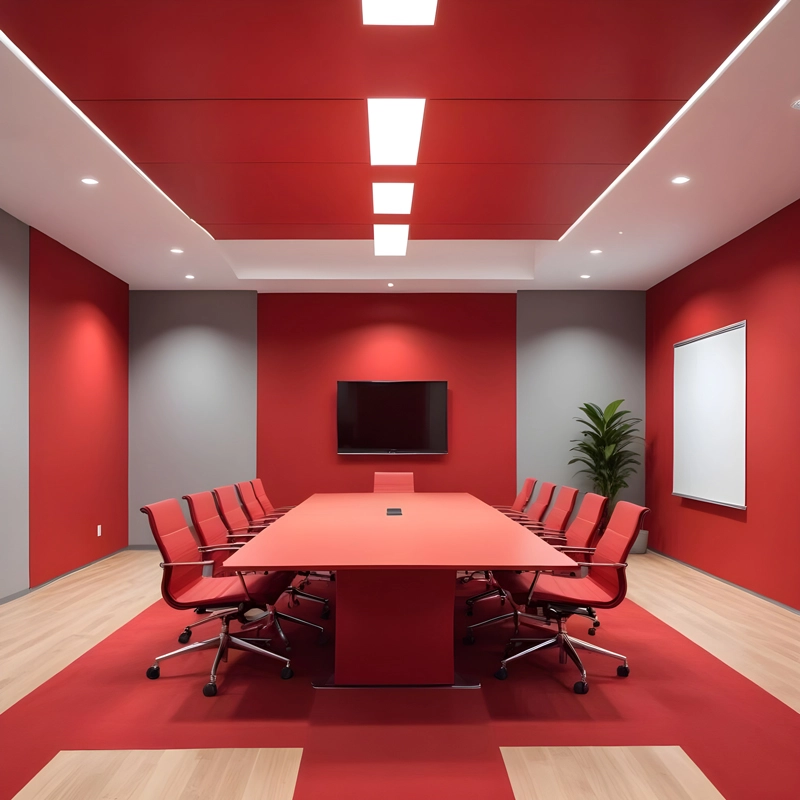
(395, 128)
(390, 240)
(398, 12)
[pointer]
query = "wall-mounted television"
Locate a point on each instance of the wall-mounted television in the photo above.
(391, 417)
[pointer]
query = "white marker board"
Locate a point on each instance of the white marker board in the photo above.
(710, 417)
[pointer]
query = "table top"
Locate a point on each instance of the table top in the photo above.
(435, 531)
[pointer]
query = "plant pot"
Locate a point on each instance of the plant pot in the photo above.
(640, 545)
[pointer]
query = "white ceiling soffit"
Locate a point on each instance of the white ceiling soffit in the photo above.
(738, 140)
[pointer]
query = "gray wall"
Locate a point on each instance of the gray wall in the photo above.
(14, 303)
(192, 395)
(575, 347)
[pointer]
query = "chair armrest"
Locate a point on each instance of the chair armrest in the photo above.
(185, 564)
(565, 548)
(246, 536)
(212, 548)
(249, 529)
(599, 564)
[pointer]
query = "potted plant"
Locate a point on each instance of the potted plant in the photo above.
(606, 451)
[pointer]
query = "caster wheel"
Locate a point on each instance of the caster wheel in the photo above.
(200, 610)
(153, 672)
(501, 674)
(286, 673)
(333, 576)
(470, 612)
(210, 689)
(185, 636)
(288, 648)
(502, 601)
(322, 639)
(295, 601)
(581, 687)
(596, 623)
(469, 639)
(592, 631)
(326, 612)
(465, 579)
(623, 671)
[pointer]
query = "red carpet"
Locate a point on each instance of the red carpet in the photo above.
(404, 743)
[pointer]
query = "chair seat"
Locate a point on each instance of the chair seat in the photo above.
(552, 589)
(219, 592)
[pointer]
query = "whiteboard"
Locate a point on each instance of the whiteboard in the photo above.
(710, 417)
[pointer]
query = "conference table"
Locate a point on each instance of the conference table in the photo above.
(396, 573)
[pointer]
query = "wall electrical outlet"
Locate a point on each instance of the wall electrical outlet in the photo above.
(99, 530)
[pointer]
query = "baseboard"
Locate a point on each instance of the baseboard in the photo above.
(722, 580)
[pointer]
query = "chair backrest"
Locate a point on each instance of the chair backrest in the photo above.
(261, 495)
(614, 546)
(229, 508)
(558, 516)
(207, 522)
(176, 543)
(252, 508)
(539, 505)
(524, 497)
(394, 482)
(583, 529)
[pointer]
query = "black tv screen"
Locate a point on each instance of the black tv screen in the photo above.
(391, 417)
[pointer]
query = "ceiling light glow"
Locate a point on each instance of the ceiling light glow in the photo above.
(395, 127)
(390, 240)
(90, 181)
(681, 179)
(398, 12)
(595, 252)
(390, 285)
(392, 198)
(190, 277)
(585, 276)
(176, 250)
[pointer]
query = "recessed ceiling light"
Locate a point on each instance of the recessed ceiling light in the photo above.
(620, 233)
(796, 104)
(390, 285)
(390, 240)
(176, 250)
(681, 179)
(395, 127)
(585, 276)
(595, 252)
(90, 181)
(190, 277)
(398, 12)
(392, 198)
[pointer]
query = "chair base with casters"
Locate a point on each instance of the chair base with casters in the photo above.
(223, 642)
(272, 618)
(295, 593)
(568, 647)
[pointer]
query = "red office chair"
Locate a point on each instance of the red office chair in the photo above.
(555, 598)
(252, 508)
(217, 543)
(523, 498)
(185, 585)
(558, 516)
(538, 507)
(232, 513)
(266, 505)
(394, 482)
(579, 537)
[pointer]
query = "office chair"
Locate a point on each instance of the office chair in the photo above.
(217, 543)
(186, 584)
(232, 513)
(555, 598)
(522, 499)
(252, 508)
(264, 501)
(394, 482)
(538, 507)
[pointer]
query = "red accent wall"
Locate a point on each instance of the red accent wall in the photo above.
(78, 410)
(308, 342)
(755, 277)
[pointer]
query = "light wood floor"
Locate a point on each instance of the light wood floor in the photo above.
(46, 630)
(757, 638)
(605, 773)
(231, 774)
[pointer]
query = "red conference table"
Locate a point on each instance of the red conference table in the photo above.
(395, 575)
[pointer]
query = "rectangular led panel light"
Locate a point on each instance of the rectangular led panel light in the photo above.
(395, 127)
(392, 198)
(398, 12)
(390, 240)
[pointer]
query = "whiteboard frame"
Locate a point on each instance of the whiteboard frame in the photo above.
(717, 332)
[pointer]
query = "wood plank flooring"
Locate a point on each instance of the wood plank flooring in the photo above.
(46, 630)
(230, 774)
(759, 639)
(605, 773)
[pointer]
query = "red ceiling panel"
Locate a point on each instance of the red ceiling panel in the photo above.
(340, 194)
(554, 49)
